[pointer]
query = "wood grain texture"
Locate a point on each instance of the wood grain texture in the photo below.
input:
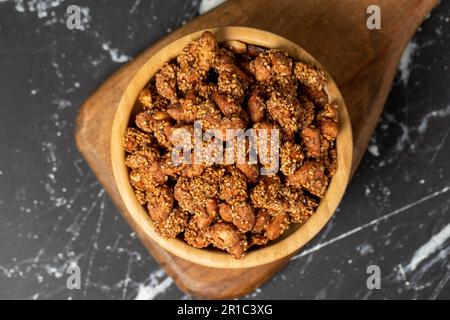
(362, 62)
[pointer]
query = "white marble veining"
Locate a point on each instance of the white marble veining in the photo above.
(370, 223)
(208, 5)
(429, 248)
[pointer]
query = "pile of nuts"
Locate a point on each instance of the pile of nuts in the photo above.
(232, 85)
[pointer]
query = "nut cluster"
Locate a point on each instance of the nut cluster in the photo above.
(232, 85)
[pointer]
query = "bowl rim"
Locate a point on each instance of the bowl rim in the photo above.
(288, 245)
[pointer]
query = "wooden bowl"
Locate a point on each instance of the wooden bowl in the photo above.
(297, 235)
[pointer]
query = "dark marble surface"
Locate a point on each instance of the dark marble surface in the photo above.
(53, 212)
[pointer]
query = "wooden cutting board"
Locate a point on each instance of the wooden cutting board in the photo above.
(363, 63)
